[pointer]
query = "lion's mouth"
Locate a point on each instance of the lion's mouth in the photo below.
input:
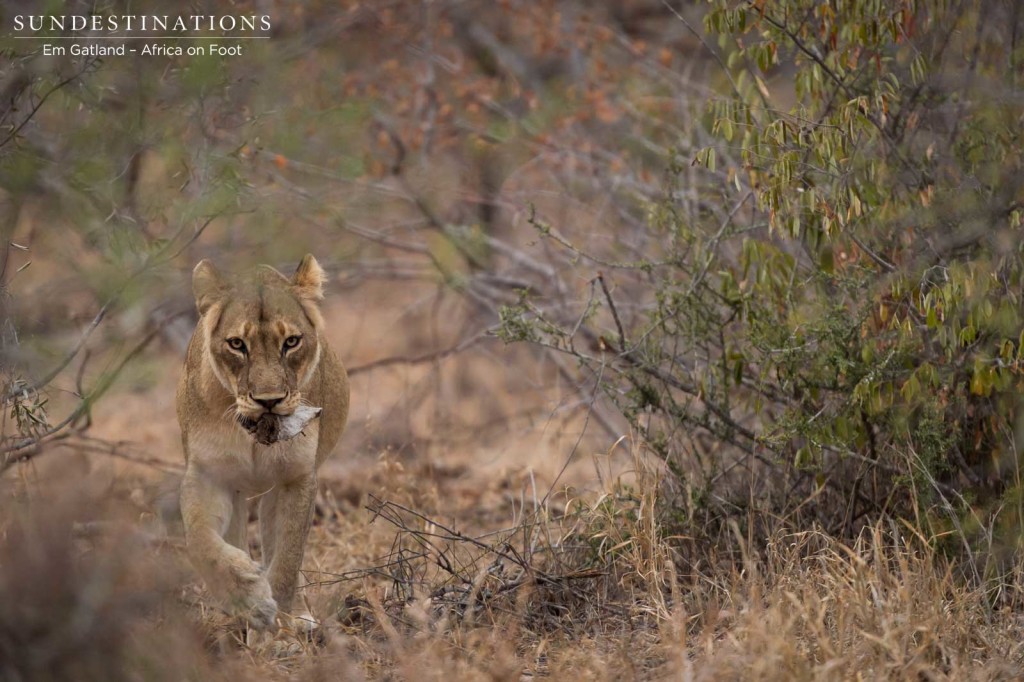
(270, 428)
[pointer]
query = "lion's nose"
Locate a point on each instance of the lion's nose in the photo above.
(268, 402)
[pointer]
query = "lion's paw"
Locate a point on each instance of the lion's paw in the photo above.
(254, 603)
(261, 614)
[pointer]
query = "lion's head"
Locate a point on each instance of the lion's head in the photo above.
(261, 335)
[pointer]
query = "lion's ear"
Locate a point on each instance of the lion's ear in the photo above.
(309, 279)
(207, 285)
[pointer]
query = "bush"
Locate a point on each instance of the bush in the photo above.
(832, 308)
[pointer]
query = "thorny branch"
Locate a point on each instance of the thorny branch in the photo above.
(20, 450)
(471, 571)
(160, 257)
(86, 65)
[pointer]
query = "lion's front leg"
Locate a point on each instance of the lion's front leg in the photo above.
(293, 510)
(268, 518)
(207, 509)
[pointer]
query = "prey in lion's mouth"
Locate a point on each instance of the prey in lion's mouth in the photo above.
(272, 428)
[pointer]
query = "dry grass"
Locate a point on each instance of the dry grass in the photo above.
(448, 549)
(411, 584)
(884, 608)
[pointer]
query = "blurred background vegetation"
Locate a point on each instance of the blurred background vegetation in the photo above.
(776, 245)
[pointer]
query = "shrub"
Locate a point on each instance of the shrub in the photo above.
(832, 308)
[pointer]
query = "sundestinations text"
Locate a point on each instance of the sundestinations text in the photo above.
(142, 22)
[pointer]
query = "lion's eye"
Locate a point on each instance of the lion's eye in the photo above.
(292, 342)
(235, 343)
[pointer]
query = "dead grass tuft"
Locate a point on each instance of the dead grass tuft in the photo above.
(571, 586)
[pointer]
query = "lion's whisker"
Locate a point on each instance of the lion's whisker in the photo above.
(227, 415)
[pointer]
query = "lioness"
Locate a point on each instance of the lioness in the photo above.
(256, 364)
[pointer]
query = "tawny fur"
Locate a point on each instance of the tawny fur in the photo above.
(225, 466)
